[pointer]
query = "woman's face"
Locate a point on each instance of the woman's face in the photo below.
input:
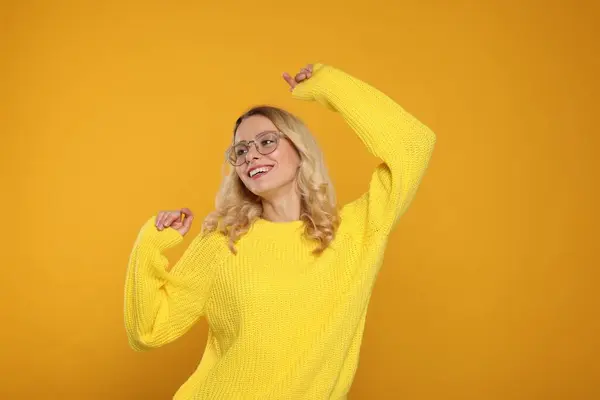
(278, 168)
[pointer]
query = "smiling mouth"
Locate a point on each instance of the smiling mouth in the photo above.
(256, 173)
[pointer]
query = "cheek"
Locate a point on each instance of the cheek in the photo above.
(240, 174)
(287, 158)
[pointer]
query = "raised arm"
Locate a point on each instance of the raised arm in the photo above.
(161, 306)
(389, 132)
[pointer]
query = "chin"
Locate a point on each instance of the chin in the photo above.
(262, 190)
(266, 189)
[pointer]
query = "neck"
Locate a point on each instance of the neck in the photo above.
(282, 208)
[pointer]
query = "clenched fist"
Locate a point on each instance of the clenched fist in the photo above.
(173, 219)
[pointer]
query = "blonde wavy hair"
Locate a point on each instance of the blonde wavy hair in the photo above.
(237, 207)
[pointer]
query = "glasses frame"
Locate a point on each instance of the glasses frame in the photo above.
(248, 143)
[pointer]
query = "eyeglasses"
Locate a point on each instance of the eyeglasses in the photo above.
(265, 143)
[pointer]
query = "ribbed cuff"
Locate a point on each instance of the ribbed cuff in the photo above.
(161, 240)
(312, 88)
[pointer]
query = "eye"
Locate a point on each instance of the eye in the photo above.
(267, 142)
(240, 151)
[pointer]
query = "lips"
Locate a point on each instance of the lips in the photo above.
(259, 170)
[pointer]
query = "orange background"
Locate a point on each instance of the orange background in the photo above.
(114, 110)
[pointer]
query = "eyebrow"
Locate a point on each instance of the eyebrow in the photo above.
(255, 136)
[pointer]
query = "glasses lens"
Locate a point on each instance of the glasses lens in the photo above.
(237, 153)
(267, 142)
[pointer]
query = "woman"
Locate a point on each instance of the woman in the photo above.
(282, 278)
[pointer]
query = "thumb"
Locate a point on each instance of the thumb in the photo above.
(189, 217)
(187, 222)
(187, 212)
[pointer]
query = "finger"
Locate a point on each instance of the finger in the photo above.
(187, 212)
(158, 218)
(310, 68)
(307, 72)
(289, 80)
(164, 215)
(188, 217)
(300, 77)
(187, 222)
(168, 220)
(176, 224)
(171, 217)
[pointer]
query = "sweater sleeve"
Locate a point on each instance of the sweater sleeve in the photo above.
(161, 306)
(400, 141)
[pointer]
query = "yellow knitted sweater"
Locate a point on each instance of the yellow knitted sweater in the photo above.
(283, 323)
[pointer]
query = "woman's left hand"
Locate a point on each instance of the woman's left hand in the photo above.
(305, 73)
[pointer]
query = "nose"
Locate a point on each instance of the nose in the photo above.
(253, 153)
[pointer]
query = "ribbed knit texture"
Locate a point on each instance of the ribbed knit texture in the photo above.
(283, 323)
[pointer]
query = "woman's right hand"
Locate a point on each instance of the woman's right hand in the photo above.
(305, 73)
(172, 219)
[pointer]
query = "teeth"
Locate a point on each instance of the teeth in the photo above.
(257, 170)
